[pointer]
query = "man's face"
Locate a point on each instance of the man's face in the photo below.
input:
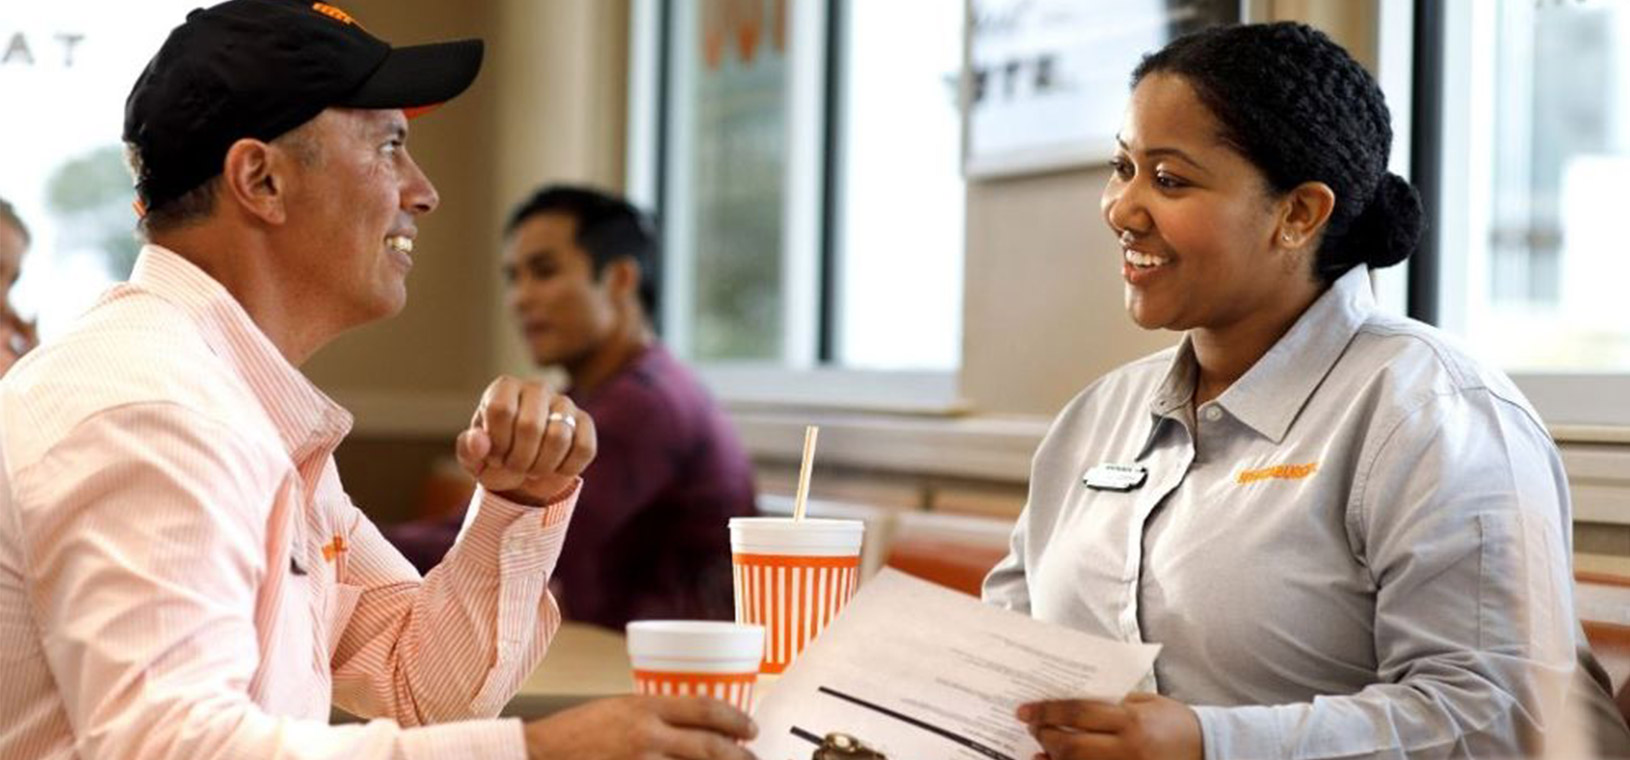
(564, 310)
(352, 204)
(12, 247)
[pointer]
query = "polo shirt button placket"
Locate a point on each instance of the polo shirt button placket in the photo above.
(1134, 570)
(1129, 615)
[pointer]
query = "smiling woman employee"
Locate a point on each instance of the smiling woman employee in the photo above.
(1351, 538)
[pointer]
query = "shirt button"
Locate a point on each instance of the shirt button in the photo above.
(1213, 414)
(512, 544)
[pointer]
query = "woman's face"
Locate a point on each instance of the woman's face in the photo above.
(1196, 220)
(12, 246)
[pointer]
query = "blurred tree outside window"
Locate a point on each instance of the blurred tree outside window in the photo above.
(734, 161)
(88, 198)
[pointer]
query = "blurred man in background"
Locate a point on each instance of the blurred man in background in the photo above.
(650, 537)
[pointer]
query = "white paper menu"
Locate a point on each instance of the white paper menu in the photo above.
(918, 671)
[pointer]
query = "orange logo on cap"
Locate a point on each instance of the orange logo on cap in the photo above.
(334, 13)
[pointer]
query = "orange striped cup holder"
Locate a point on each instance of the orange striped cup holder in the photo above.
(793, 578)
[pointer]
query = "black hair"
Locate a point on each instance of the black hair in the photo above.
(1298, 107)
(608, 228)
(8, 215)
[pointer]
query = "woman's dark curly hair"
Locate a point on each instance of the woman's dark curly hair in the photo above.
(1296, 105)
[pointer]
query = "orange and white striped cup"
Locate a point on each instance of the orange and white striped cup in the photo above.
(793, 577)
(702, 658)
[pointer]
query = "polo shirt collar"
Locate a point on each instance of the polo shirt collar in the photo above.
(1269, 396)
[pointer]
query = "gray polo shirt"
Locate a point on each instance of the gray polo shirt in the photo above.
(1360, 549)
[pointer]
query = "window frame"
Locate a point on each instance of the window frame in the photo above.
(804, 376)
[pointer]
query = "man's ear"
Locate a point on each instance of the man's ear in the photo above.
(254, 178)
(622, 277)
(1303, 213)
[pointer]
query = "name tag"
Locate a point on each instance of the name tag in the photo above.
(1115, 477)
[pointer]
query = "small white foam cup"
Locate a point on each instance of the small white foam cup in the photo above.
(696, 658)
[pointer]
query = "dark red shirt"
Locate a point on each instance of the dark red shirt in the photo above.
(650, 536)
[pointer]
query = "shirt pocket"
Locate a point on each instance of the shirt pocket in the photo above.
(342, 603)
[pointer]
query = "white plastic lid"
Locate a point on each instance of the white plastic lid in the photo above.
(695, 646)
(812, 536)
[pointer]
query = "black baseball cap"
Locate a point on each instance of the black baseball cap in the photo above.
(260, 68)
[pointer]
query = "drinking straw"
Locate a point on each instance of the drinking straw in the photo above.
(810, 434)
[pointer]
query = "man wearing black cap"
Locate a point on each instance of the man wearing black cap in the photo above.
(181, 572)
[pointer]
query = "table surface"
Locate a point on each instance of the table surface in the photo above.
(585, 662)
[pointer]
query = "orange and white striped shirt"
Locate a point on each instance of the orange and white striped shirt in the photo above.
(182, 574)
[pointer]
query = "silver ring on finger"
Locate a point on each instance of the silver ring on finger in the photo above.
(565, 419)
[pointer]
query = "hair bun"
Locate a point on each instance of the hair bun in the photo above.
(1389, 228)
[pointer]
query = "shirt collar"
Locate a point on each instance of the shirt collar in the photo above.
(1273, 391)
(1172, 394)
(308, 421)
(1177, 388)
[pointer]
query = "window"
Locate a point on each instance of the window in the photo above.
(899, 221)
(807, 179)
(65, 69)
(1536, 136)
(725, 215)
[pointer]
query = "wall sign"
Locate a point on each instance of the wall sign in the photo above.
(24, 49)
(1048, 79)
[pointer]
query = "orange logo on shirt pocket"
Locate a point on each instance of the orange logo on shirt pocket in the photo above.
(1278, 472)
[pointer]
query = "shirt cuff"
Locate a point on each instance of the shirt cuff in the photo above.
(557, 509)
(502, 739)
(1229, 733)
(522, 539)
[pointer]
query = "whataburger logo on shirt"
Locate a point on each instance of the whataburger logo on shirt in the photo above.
(1278, 472)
